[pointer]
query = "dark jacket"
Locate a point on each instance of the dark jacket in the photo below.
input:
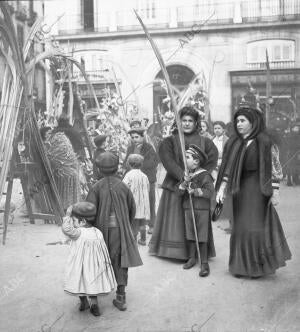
(112, 192)
(171, 157)
(150, 160)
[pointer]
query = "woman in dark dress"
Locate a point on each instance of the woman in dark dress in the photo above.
(168, 238)
(251, 172)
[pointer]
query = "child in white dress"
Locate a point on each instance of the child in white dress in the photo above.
(139, 185)
(89, 271)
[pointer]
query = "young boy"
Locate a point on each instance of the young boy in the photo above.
(139, 185)
(198, 184)
(115, 215)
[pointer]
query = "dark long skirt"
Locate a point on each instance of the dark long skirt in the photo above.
(169, 237)
(257, 245)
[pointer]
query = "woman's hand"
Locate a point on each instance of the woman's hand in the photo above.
(220, 196)
(275, 198)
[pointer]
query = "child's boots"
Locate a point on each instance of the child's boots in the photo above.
(120, 302)
(192, 256)
(142, 240)
(84, 303)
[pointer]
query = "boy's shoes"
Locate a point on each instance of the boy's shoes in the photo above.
(95, 310)
(84, 303)
(150, 230)
(120, 302)
(190, 263)
(141, 242)
(204, 271)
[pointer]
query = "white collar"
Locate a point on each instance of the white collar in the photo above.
(199, 171)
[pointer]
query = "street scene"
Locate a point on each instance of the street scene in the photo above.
(149, 165)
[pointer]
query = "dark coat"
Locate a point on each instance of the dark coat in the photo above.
(150, 160)
(111, 190)
(171, 157)
(264, 143)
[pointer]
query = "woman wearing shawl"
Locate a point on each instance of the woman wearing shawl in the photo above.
(168, 239)
(251, 172)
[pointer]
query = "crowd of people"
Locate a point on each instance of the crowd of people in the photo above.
(242, 167)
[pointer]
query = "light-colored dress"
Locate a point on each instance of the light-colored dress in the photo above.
(139, 185)
(89, 270)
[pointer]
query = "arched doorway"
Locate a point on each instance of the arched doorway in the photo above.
(180, 77)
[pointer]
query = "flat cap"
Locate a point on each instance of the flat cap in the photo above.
(107, 162)
(84, 210)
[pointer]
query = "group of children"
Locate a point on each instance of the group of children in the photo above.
(104, 229)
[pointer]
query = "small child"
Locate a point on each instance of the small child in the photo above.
(89, 271)
(115, 214)
(199, 183)
(139, 185)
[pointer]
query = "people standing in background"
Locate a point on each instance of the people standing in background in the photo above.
(100, 142)
(139, 185)
(115, 215)
(149, 167)
(219, 140)
(293, 155)
(204, 129)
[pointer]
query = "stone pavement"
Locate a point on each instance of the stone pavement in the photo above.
(161, 295)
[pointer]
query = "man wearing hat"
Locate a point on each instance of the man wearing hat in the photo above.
(100, 142)
(198, 184)
(149, 167)
(115, 214)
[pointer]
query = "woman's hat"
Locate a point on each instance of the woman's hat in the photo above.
(197, 152)
(99, 140)
(107, 162)
(217, 212)
(84, 210)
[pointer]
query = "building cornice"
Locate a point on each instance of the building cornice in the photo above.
(81, 35)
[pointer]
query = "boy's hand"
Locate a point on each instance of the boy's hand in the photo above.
(187, 178)
(191, 191)
(69, 211)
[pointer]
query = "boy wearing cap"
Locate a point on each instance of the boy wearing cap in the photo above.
(115, 214)
(199, 184)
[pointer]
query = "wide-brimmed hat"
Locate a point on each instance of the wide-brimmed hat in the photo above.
(84, 210)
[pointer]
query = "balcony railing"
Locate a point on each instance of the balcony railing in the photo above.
(273, 65)
(222, 13)
(274, 10)
(153, 18)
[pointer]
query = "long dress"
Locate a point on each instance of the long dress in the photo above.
(89, 270)
(257, 244)
(168, 238)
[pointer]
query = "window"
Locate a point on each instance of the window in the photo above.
(88, 15)
(279, 50)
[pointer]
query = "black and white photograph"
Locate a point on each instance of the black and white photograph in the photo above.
(149, 165)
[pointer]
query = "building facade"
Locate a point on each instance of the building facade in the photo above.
(224, 43)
